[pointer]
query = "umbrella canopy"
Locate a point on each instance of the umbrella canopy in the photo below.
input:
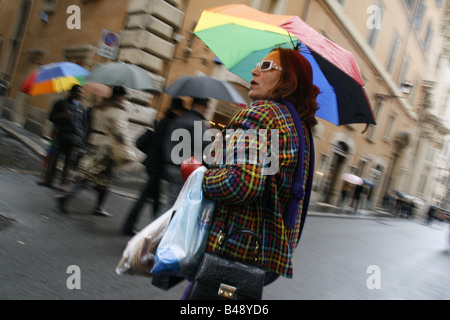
(205, 87)
(60, 70)
(353, 179)
(122, 74)
(53, 78)
(56, 85)
(241, 36)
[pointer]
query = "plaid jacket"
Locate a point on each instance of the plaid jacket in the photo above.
(248, 199)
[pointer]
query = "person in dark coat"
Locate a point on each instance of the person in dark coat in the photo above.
(70, 119)
(151, 143)
(190, 122)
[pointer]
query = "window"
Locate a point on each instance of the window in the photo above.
(419, 15)
(394, 47)
(373, 35)
(272, 5)
(429, 34)
(430, 154)
(423, 181)
(404, 71)
(373, 32)
(389, 126)
(412, 96)
(410, 4)
(362, 167)
(445, 103)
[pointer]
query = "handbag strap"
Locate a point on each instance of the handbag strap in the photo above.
(298, 191)
(224, 239)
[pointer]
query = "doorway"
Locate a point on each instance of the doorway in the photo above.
(336, 167)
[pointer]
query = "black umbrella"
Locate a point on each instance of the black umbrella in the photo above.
(205, 87)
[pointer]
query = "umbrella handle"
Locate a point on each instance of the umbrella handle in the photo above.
(367, 128)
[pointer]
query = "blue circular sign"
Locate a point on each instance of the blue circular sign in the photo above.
(111, 40)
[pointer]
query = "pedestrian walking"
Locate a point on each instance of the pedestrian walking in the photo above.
(356, 197)
(151, 143)
(70, 120)
(345, 193)
(246, 197)
(109, 146)
(431, 213)
(171, 169)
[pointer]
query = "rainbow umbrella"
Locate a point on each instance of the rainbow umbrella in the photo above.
(241, 36)
(54, 78)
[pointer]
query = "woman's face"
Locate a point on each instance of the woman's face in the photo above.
(264, 82)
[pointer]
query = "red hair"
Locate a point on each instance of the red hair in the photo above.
(296, 85)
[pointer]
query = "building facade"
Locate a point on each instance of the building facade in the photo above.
(398, 44)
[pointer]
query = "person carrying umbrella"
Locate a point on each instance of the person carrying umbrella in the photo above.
(274, 207)
(70, 120)
(109, 147)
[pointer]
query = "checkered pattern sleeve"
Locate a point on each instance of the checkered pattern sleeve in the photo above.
(236, 176)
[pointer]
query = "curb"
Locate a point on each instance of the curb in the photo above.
(37, 149)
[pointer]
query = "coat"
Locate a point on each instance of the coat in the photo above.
(109, 125)
(246, 198)
(70, 129)
(186, 121)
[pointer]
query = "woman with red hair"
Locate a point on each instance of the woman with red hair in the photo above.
(273, 205)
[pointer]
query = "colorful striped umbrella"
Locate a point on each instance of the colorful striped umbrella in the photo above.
(241, 36)
(54, 78)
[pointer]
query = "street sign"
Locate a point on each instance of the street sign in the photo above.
(109, 44)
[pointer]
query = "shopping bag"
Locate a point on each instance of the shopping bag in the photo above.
(183, 244)
(139, 254)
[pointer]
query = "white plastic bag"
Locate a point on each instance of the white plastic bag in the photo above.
(183, 244)
(139, 254)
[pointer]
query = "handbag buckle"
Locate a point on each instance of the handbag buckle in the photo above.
(226, 291)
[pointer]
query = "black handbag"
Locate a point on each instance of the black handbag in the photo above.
(220, 278)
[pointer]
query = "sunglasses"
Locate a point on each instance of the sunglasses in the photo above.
(268, 65)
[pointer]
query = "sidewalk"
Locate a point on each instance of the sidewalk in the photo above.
(131, 180)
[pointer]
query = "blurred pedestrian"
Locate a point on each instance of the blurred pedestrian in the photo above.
(171, 172)
(431, 214)
(246, 197)
(109, 135)
(356, 197)
(345, 193)
(151, 143)
(70, 120)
